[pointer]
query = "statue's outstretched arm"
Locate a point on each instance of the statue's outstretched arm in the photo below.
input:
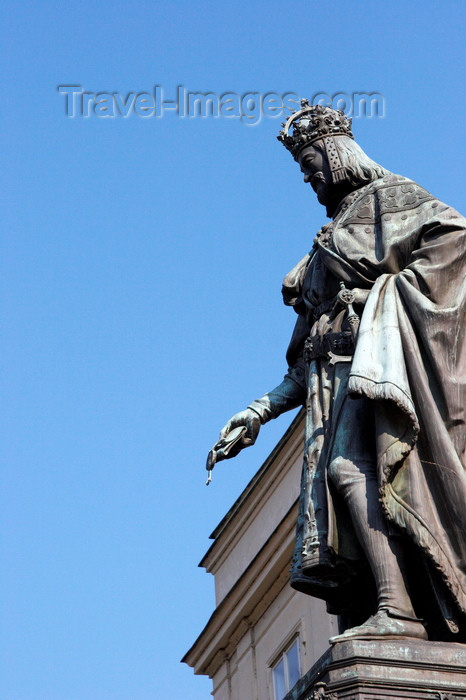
(243, 428)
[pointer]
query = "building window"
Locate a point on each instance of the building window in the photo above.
(286, 671)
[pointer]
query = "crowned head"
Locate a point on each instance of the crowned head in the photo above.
(321, 140)
(313, 123)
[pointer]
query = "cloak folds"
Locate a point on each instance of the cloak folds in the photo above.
(409, 249)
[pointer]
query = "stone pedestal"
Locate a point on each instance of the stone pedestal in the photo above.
(375, 670)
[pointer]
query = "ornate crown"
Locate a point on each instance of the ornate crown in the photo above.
(312, 123)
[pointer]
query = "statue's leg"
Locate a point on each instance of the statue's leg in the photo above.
(352, 470)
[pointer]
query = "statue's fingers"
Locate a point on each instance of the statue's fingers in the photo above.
(252, 431)
(225, 430)
(219, 456)
(248, 437)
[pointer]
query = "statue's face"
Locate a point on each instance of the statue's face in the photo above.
(314, 165)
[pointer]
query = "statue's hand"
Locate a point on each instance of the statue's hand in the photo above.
(247, 418)
(360, 296)
(353, 296)
(241, 431)
(349, 296)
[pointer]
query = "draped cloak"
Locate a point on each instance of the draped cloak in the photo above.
(395, 239)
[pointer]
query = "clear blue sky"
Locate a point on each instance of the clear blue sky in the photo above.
(142, 261)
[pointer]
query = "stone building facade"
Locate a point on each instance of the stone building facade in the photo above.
(262, 635)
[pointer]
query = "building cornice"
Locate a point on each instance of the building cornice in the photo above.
(253, 592)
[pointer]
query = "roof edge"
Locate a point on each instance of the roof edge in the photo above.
(257, 476)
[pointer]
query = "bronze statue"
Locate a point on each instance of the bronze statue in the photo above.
(377, 357)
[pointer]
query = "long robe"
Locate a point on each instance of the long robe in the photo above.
(395, 239)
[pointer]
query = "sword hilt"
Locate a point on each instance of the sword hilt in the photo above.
(347, 297)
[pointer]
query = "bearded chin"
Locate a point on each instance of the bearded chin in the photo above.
(324, 193)
(327, 193)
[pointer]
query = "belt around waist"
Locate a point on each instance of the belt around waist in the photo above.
(329, 345)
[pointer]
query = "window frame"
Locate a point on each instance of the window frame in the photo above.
(294, 638)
